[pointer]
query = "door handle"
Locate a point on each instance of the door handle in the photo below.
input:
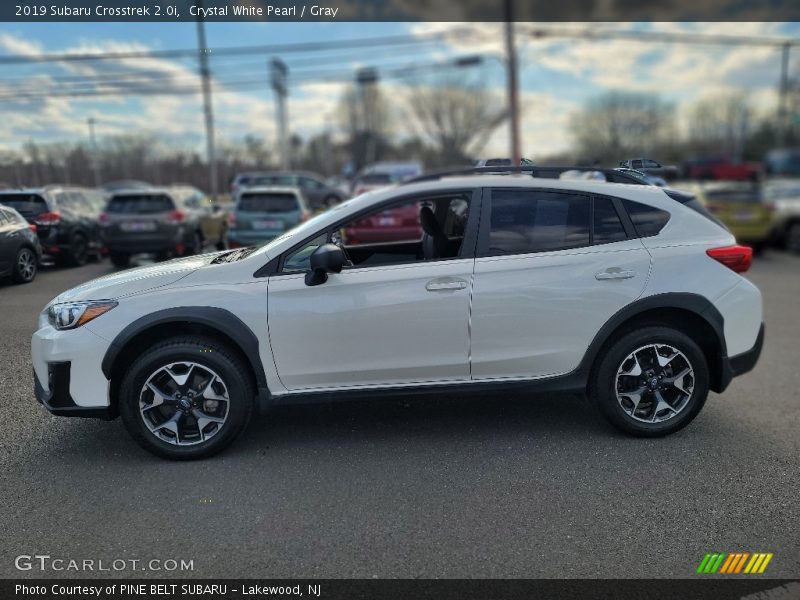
(445, 284)
(614, 273)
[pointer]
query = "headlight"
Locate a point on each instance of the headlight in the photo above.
(69, 315)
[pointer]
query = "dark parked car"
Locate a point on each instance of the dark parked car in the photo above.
(66, 220)
(317, 193)
(166, 222)
(648, 166)
(20, 250)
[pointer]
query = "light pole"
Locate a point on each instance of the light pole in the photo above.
(511, 78)
(208, 110)
(365, 77)
(93, 142)
(278, 75)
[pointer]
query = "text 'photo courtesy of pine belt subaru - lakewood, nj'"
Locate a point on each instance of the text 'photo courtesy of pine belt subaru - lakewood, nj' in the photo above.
(509, 282)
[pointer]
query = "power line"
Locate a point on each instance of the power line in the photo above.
(397, 40)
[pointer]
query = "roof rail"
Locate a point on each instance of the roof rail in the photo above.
(546, 172)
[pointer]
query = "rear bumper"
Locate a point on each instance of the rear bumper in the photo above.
(733, 366)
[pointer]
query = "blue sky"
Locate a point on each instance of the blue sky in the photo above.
(557, 76)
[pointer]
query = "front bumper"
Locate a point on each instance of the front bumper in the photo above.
(57, 398)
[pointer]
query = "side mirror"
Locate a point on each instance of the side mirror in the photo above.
(328, 258)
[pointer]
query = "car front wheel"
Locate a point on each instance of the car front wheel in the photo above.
(186, 398)
(650, 382)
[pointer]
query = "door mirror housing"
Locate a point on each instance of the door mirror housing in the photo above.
(328, 258)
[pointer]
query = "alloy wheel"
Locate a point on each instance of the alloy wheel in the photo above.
(654, 383)
(26, 264)
(184, 403)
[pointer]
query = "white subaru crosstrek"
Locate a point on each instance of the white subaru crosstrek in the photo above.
(477, 283)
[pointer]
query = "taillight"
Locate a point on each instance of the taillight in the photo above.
(737, 258)
(176, 216)
(32, 227)
(103, 218)
(48, 219)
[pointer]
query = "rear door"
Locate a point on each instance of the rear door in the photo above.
(8, 242)
(552, 268)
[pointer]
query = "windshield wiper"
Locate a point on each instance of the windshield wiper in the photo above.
(233, 255)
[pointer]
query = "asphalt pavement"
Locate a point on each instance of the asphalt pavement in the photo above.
(446, 487)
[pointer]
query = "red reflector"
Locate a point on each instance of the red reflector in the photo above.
(737, 258)
(32, 227)
(180, 248)
(176, 216)
(103, 217)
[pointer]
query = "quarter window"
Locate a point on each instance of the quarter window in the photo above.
(524, 221)
(647, 220)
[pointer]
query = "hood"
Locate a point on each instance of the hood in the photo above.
(136, 281)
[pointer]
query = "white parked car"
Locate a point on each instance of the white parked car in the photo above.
(784, 196)
(501, 284)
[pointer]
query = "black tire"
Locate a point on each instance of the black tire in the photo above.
(222, 244)
(78, 251)
(26, 265)
(603, 385)
(208, 354)
(120, 259)
(196, 246)
(793, 238)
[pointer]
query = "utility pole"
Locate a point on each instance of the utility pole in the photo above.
(208, 110)
(783, 91)
(365, 78)
(511, 78)
(279, 73)
(93, 141)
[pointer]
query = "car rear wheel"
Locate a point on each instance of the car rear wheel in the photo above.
(78, 251)
(651, 382)
(793, 238)
(186, 398)
(25, 266)
(120, 259)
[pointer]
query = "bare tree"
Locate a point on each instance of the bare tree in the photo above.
(616, 125)
(456, 113)
(720, 125)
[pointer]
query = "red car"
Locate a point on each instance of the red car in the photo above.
(393, 225)
(720, 168)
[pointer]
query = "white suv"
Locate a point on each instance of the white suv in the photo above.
(476, 283)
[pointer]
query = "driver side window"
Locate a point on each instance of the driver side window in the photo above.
(405, 232)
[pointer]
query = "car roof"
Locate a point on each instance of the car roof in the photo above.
(150, 191)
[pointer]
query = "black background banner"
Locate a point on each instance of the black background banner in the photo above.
(751, 588)
(399, 10)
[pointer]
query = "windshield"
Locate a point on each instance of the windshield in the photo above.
(140, 204)
(26, 204)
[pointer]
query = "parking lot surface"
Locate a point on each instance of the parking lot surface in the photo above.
(444, 487)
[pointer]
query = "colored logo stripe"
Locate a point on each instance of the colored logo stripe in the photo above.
(735, 562)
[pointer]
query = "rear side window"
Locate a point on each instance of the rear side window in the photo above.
(606, 225)
(692, 202)
(524, 221)
(268, 203)
(25, 204)
(140, 204)
(647, 220)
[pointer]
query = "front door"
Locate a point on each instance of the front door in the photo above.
(398, 316)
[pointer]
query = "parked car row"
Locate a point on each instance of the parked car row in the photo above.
(72, 225)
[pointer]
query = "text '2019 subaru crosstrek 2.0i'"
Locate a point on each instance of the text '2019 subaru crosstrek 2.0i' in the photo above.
(629, 293)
